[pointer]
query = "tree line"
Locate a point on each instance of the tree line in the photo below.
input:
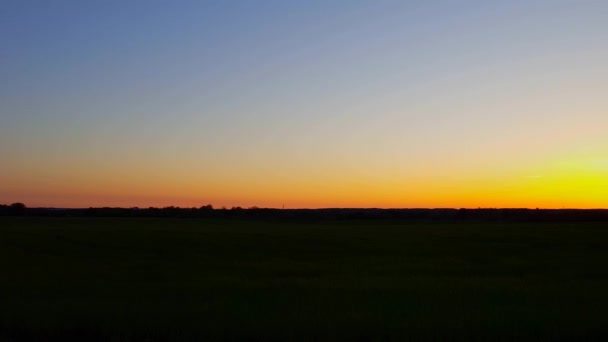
(208, 211)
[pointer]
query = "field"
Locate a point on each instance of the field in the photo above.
(157, 279)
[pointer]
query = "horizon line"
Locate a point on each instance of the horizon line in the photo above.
(306, 208)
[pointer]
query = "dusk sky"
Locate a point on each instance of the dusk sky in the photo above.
(304, 103)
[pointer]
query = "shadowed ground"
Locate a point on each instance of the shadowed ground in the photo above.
(189, 279)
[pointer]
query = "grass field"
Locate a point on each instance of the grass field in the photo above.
(209, 279)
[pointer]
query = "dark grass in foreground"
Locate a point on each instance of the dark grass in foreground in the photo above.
(213, 279)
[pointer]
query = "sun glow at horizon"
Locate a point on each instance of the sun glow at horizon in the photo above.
(573, 184)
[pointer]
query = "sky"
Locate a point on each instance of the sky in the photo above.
(341, 103)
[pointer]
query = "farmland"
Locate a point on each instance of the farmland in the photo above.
(157, 279)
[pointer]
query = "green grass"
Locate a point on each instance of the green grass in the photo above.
(202, 279)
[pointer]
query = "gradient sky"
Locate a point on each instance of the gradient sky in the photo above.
(304, 103)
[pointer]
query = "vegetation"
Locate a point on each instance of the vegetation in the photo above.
(153, 279)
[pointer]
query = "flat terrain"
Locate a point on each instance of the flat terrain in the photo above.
(210, 279)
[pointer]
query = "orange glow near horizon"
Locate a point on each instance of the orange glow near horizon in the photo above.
(571, 184)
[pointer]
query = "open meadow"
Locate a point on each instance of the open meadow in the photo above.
(157, 279)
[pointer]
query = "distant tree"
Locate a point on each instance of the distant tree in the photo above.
(206, 207)
(17, 208)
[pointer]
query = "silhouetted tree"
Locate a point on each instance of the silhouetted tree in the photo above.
(17, 208)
